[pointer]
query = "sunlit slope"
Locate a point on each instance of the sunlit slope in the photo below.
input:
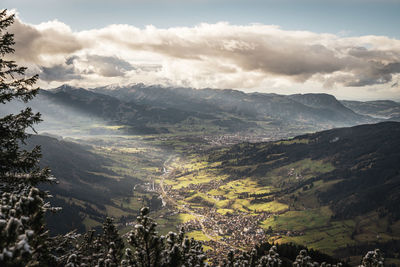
(139, 117)
(326, 190)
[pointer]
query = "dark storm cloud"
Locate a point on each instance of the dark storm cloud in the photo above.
(373, 54)
(374, 73)
(92, 64)
(59, 72)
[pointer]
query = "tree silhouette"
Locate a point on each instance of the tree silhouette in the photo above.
(23, 236)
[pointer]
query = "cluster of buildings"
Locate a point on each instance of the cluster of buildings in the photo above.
(230, 231)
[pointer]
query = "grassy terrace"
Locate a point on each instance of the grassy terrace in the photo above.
(227, 195)
(312, 228)
(218, 190)
(299, 220)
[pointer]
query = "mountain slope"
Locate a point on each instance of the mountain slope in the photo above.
(328, 106)
(366, 162)
(85, 186)
(287, 108)
(138, 116)
(381, 108)
(141, 109)
(328, 190)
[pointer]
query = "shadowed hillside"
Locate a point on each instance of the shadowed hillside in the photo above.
(86, 186)
(366, 162)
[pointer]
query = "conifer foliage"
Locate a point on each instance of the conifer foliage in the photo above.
(23, 237)
(151, 249)
(105, 249)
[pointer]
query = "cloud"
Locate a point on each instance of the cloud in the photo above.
(59, 72)
(208, 55)
(109, 66)
(77, 68)
(106, 66)
(44, 41)
(376, 73)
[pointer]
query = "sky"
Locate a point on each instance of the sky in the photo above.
(350, 49)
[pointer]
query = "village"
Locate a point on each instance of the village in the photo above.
(235, 230)
(201, 142)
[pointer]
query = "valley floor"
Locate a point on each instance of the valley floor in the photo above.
(225, 211)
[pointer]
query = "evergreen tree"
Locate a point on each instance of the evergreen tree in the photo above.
(153, 250)
(23, 237)
(373, 259)
(303, 260)
(253, 259)
(87, 251)
(112, 242)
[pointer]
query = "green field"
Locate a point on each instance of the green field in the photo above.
(296, 217)
(198, 235)
(299, 220)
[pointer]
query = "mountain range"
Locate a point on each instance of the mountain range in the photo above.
(141, 109)
(308, 108)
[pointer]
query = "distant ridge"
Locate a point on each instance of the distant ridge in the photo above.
(328, 105)
(142, 109)
(312, 108)
(384, 109)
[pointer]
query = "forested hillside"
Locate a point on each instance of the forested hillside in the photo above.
(341, 182)
(365, 165)
(85, 184)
